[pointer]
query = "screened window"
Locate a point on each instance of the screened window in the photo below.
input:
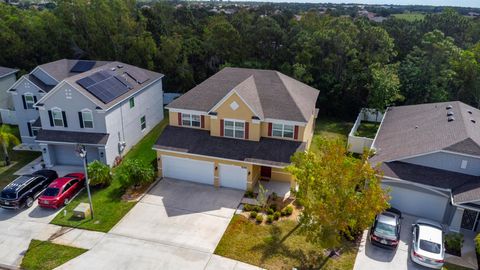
(191, 120)
(132, 102)
(57, 118)
(29, 101)
(234, 129)
(281, 130)
(143, 123)
(87, 118)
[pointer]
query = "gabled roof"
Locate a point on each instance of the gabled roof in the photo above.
(61, 69)
(4, 71)
(414, 130)
(269, 93)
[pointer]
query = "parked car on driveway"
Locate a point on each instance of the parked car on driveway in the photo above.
(62, 190)
(23, 191)
(427, 244)
(385, 231)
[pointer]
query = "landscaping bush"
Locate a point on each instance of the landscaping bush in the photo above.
(259, 218)
(99, 173)
(274, 196)
(249, 194)
(257, 208)
(477, 248)
(276, 215)
(253, 214)
(454, 243)
(247, 207)
(288, 210)
(134, 172)
(269, 218)
(270, 211)
(273, 207)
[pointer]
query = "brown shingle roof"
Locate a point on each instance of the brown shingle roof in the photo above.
(419, 129)
(270, 93)
(47, 135)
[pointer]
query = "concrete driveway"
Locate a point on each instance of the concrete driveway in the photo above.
(177, 225)
(373, 257)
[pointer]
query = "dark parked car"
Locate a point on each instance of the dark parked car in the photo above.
(385, 231)
(62, 190)
(23, 191)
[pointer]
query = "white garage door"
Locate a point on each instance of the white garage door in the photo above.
(418, 203)
(66, 155)
(188, 169)
(233, 176)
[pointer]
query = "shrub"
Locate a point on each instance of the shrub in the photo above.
(249, 194)
(269, 218)
(270, 211)
(257, 208)
(99, 173)
(454, 243)
(259, 218)
(283, 212)
(253, 214)
(289, 210)
(276, 215)
(134, 172)
(273, 207)
(247, 207)
(477, 247)
(274, 196)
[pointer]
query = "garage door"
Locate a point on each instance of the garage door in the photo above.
(233, 176)
(65, 155)
(421, 204)
(188, 169)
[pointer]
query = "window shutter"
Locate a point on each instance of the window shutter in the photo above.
(221, 127)
(246, 130)
(269, 129)
(29, 125)
(80, 119)
(202, 119)
(24, 102)
(64, 119)
(35, 99)
(295, 135)
(50, 116)
(179, 119)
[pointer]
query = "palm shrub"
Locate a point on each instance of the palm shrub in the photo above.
(454, 243)
(99, 173)
(134, 172)
(6, 140)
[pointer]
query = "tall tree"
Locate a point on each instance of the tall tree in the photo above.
(467, 74)
(384, 87)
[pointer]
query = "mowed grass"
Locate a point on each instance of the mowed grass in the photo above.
(332, 128)
(262, 245)
(18, 159)
(367, 129)
(108, 205)
(43, 255)
(410, 16)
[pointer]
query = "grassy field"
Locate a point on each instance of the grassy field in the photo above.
(261, 245)
(108, 205)
(18, 159)
(410, 16)
(367, 129)
(43, 255)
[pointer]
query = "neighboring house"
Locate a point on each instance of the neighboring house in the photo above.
(8, 77)
(105, 106)
(236, 127)
(430, 156)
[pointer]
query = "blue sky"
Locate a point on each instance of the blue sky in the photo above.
(461, 3)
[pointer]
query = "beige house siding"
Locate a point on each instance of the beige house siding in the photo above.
(304, 132)
(308, 131)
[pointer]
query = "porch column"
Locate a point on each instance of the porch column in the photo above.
(456, 222)
(47, 159)
(102, 156)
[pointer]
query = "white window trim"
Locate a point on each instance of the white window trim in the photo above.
(141, 123)
(283, 131)
(56, 109)
(190, 116)
(129, 104)
(83, 117)
(234, 128)
(28, 94)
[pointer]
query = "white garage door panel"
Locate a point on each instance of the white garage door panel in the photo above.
(418, 203)
(188, 169)
(66, 155)
(233, 176)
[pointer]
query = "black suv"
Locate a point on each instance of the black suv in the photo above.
(23, 191)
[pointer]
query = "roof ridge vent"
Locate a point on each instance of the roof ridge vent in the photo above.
(449, 107)
(450, 113)
(451, 118)
(120, 66)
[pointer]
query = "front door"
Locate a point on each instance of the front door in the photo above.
(469, 219)
(266, 172)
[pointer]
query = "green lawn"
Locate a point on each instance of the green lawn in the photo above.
(367, 129)
(43, 255)
(261, 245)
(410, 16)
(332, 128)
(18, 159)
(449, 266)
(108, 206)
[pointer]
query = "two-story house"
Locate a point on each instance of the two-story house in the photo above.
(107, 109)
(236, 127)
(430, 158)
(8, 77)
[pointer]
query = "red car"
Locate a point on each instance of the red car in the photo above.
(62, 190)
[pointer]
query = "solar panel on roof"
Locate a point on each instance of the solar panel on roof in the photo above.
(105, 86)
(138, 75)
(82, 66)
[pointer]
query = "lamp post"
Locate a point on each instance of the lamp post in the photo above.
(82, 152)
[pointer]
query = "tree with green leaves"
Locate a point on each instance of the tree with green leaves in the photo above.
(99, 173)
(384, 87)
(134, 172)
(7, 139)
(467, 74)
(341, 195)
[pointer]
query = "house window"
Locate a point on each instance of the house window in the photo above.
(143, 123)
(281, 130)
(191, 120)
(29, 101)
(131, 102)
(87, 118)
(57, 118)
(35, 131)
(234, 129)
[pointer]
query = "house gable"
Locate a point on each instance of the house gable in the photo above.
(448, 161)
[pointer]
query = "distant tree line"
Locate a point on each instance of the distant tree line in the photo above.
(352, 61)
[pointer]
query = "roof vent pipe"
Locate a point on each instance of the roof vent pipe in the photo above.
(450, 113)
(450, 119)
(449, 107)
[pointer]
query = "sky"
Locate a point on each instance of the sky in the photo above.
(457, 3)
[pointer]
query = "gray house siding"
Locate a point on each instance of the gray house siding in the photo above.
(448, 161)
(5, 98)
